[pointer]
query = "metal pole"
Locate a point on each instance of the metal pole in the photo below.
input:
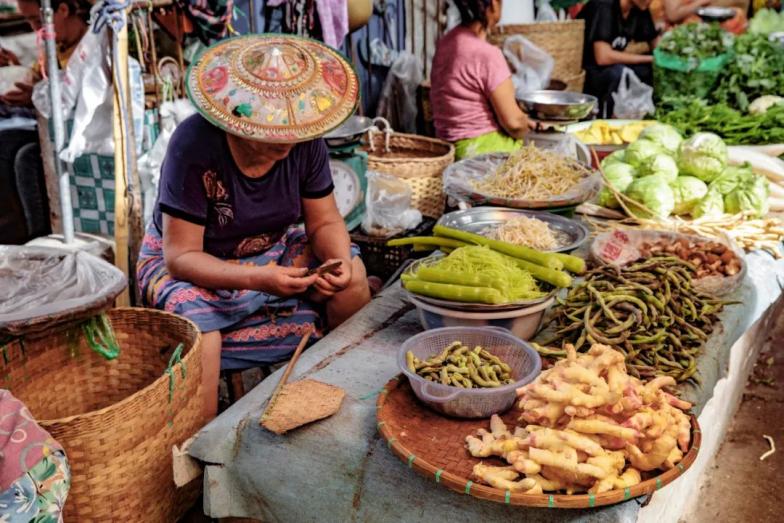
(252, 17)
(52, 71)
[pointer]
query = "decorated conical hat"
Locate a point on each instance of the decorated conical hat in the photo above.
(273, 88)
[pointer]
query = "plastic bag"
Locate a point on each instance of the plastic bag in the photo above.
(398, 98)
(39, 281)
(532, 67)
(545, 12)
(149, 165)
(634, 98)
(388, 203)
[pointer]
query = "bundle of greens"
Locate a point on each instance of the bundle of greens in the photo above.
(696, 41)
(756, 69)
(767, 21)
(691, 116)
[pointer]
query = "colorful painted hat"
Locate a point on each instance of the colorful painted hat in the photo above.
(273, 88)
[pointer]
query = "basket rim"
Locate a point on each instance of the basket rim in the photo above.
(92, 414)
(464, 485)
(505, 29)
(449, 148)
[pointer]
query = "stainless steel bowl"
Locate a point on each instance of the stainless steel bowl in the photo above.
(350, 132)
(561, 106)
(716, 14)
(479, 219)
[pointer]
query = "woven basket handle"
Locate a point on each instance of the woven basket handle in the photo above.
(380, 125)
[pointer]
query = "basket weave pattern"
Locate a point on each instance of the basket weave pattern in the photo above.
(434, 446)
(419, 162)
(114, 418)
(561, 40)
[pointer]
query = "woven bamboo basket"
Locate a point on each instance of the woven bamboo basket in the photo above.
(434, 446)
(574, 82)
(118, 419)
(418, 161)
(561, 40)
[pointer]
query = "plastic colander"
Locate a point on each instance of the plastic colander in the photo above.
(471, 403)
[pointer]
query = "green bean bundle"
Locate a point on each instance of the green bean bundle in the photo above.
(649, 310)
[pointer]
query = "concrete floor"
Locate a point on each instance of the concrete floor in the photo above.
(739, 487)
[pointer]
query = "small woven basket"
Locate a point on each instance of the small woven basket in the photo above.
(418, 161)
(561, 40)
(116, 419)
(382, 260)
(574, 82)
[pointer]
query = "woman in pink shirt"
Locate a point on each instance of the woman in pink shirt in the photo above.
(472, 94)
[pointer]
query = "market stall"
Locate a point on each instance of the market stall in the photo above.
(345, 469)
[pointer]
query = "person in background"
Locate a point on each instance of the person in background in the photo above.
(681, 12)
(618, 34)
(71, 19)
(472, 94)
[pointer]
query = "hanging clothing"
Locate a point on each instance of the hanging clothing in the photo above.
(333, 15)
(210, 17)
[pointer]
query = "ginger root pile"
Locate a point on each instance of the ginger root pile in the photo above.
(589, 427)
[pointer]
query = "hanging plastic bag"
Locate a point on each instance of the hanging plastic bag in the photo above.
(398, 98)
(545, 12)
(149, 165)
(634, 98)
(388, 203)
(532, 66)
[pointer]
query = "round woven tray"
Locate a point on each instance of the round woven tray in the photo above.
(434, 446)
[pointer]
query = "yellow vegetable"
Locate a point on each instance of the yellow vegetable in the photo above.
(602, 132)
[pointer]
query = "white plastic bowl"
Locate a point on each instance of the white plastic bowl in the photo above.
(523, 322)
(471, 403)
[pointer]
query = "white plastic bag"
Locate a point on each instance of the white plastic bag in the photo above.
(545, 12)
(398, 98)
(388, 204)
(634, 98)
(149, 165)
(532, 67)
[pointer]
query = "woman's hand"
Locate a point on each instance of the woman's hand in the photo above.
(284, 281)
(22, 96)
(329, 284)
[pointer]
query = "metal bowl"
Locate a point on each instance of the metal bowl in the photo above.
(562, 106)
(350, 132)
(478, 219)
(716, 14)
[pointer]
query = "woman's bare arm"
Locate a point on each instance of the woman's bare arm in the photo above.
(676, 11)
(326, 229)
(514, 121)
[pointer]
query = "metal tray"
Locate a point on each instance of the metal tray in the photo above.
(470, 307)
(558, 105)
(479, 218)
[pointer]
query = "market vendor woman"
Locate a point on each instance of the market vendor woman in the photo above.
(226, 248)
(472, 93)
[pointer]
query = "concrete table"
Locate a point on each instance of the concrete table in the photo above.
(339, 470)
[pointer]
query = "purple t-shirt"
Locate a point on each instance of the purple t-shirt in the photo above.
(242, 216)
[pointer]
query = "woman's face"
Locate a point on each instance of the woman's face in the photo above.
(493, 14)
(62, 18)
(273, 152)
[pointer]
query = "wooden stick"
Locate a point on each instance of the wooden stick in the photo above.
(121, 177)
(287, 372)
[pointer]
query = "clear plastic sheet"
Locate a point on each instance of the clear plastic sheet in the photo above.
(388, 203)
(531, 65)
(44, 282)
(634, 98)
(459, 179)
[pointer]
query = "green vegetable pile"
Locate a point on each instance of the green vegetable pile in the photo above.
(696, 41)
(663, 174)
(757, 69)
(650, 311)
(689, 59)
(767, 21)
(691, 116)
(461, 366)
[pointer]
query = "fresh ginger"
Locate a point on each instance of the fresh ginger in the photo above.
(587, 426)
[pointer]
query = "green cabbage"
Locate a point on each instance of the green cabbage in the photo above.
(704, 155)
(653, 192)
(661, 165)
(640, 151)
(711, 205)
(666, 136)
(687, 192)
(730, 178)
(616, 157)
(620, 176)
(751, 194)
